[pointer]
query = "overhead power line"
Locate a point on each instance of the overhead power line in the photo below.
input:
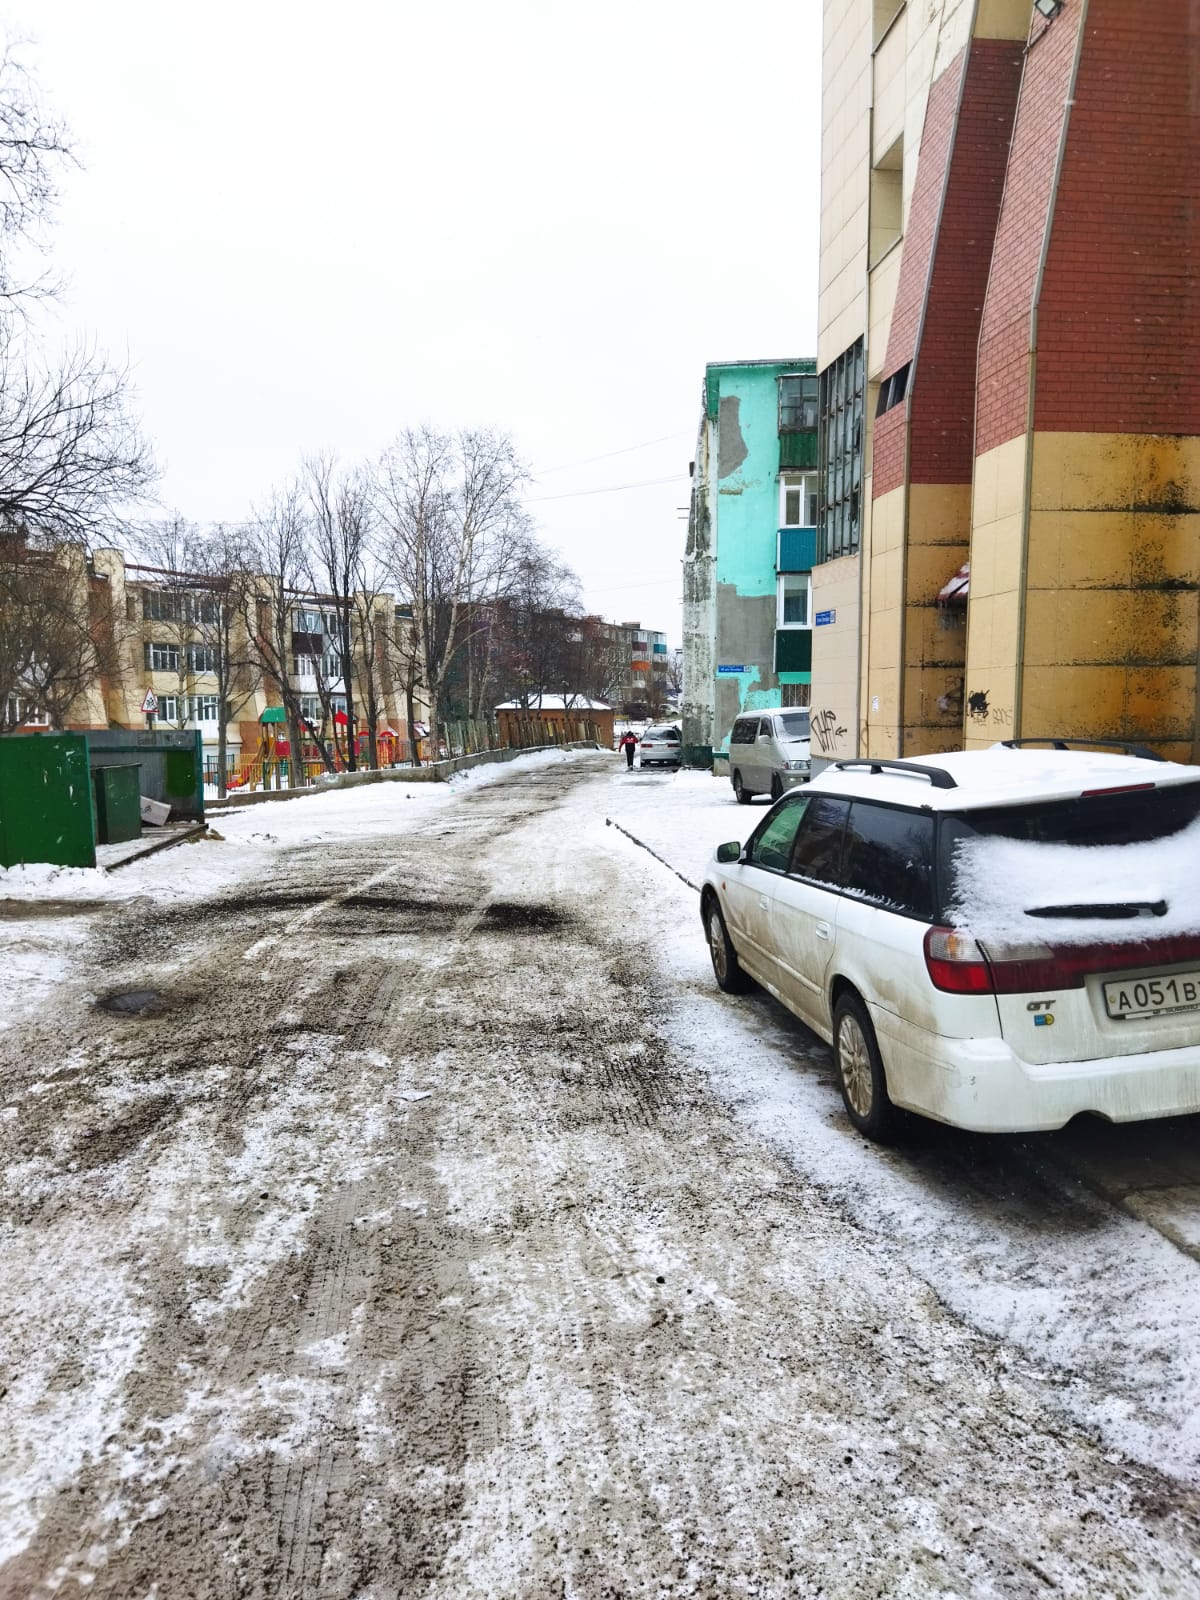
(612, 488)
(646, 444)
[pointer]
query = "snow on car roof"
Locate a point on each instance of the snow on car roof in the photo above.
(1000, 775)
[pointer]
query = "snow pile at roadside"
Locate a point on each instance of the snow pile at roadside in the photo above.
(1000, 880)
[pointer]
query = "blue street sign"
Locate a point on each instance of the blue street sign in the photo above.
(824, 618)
(728, 671)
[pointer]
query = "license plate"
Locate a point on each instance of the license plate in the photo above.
(1126, 998)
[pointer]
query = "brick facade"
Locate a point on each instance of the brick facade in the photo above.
(1118, 346)
(1002, 399)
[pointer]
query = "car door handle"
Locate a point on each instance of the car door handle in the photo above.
(763, 904)
(823, 930)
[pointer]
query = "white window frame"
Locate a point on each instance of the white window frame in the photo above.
(169, 651)
(168, 708)
(797, 580)
(202, 652)
(307, 621)
(808, 484)
(310, 708)
(200, 704)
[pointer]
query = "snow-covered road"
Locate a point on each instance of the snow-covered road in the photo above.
(434, 1227)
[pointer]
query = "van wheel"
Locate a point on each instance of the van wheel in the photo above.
(727, 968)
(740, 790)
(776, 788)
(860, 1071)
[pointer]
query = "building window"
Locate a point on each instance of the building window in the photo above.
(798, 404)
(160, 605)
(331, 666)
(795, 589)
(168, 708)
(337, 702)
(798, 500)
(202, 708)
(308, 622)
(310, 708)
(892, 390)
(202, 658)
(841, 447)
(162, 657)
(795, 694)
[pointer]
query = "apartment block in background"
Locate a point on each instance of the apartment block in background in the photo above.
(1009, 356)
(747, 607)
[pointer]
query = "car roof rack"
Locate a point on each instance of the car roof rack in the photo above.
(938, 776)
(1140, 750)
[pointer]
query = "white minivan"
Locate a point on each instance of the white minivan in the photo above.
(769, 753)
(998, 939)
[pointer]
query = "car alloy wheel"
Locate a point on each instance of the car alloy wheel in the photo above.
(859, 1066)
(716, 947)
(727, 969)
(855, 1062)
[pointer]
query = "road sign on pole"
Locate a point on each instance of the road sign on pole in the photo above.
(150, 702)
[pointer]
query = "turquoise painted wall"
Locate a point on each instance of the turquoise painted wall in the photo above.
(746, 536)
(748, 497)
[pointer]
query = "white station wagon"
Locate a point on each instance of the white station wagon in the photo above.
(998, 939)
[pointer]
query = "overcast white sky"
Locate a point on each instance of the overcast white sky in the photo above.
(311, 225)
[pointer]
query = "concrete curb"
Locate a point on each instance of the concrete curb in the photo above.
(435, 772)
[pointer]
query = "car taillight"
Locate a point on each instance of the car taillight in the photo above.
(955, 962)
(958, 964)
(647, 744)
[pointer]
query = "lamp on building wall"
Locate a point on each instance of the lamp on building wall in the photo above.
(1048, 8)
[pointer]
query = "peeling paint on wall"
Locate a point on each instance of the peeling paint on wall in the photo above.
(731, 447)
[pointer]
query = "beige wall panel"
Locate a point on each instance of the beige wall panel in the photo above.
(1096, 471)
(836, 659)
(1099, 626)
(1002, 19)
(1073, 702)
(939, 513)
(890, 98)
(883, 280)
(845, 174)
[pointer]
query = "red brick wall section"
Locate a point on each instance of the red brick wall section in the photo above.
(887, 451)
(1119, 312)
(942, 407)
(1001, 408)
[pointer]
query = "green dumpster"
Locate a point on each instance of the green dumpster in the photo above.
(118, 802)
(46, 800)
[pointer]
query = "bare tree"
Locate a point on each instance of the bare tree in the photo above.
(449, 508)
(70, 455)
(34, 147)
(275, 544)
(344, 567)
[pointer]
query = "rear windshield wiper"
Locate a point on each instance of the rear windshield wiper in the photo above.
(1112, 910)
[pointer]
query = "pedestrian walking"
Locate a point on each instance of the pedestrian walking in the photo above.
(629, 743)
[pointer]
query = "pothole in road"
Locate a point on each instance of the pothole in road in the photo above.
(525, 918)
(132, 1002)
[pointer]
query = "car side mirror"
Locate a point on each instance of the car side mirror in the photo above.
(729, 852)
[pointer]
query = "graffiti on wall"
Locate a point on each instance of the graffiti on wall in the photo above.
(826, 730)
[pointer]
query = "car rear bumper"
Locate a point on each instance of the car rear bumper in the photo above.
(980, 1084)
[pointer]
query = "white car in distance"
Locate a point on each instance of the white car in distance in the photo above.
(997, 939)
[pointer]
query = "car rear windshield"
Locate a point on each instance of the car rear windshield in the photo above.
(661, 733)
(1133, 817)
(795, 724)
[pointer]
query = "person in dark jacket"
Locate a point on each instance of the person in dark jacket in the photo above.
(629, 743)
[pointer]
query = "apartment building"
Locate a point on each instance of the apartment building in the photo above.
(747, 611)
(176, 637)
(1009, 519)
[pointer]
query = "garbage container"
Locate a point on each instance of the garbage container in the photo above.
(118, 803)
